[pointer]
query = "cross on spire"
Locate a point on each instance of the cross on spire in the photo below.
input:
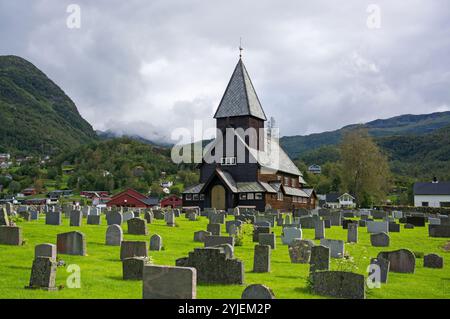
(240, 47)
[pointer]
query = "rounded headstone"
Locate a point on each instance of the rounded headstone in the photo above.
(257, 291)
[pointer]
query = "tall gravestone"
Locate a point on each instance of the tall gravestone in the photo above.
(402, 260)
(53, 218)
(43, 274)
(71, 243)
(130, 249)
(114, 235)
(261, 258)
(319, 229)
(155, 242)
(137, 226)
(114, 218)
(300, 251)
(76, 218)
(320, 258)
(352, 233)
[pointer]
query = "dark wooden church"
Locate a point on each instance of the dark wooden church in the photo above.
(266, 178)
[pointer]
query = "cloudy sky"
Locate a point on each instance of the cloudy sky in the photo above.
(146, 67)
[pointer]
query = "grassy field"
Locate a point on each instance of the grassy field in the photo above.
(101, 269)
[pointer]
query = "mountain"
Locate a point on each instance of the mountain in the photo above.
(403, 125)
(36, 116)
(109, 135)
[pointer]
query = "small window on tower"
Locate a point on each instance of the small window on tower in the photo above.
(188, 196)
(243, 196)
(250, 196)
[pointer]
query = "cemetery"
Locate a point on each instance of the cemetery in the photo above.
(216, 254)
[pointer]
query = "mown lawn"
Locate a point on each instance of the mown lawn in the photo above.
(101, 270)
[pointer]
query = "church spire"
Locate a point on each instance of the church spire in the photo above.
(240, 98)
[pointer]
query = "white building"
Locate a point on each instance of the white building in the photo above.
(315, 169)
(335, 200)
(432, 194)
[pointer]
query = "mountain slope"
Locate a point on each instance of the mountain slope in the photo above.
(35, 114)
(401, 125)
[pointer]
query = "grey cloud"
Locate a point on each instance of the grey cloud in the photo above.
(146, 67)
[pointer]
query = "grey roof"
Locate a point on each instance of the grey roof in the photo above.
(268, 187)
(429, 188)
(308, 191)
(249, 187)
(228, 179)
(240, 98)
(294, 191)
(195, 189)
(275, 185)
(332, 197)
(151, 200)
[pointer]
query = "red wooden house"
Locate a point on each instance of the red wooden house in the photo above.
(132, 198)
(172, 201)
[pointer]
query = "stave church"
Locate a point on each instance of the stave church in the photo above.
(265, 177)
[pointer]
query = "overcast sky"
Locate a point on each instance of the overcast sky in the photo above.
(146, 67)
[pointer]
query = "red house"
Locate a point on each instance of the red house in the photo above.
(172, 201)
(29, 191)
(132, 198)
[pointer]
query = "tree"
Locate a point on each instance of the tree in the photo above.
(14, 187)
(365, 169)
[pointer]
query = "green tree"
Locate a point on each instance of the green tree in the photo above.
(365, 169)
(14, 187)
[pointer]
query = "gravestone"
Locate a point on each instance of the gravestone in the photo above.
(166, 282)
(43, 274)
(233, 230)
(383, 265)
(136, 214)
(227, 249)
(26, 215)
(394, 227)
(418, 221)
(130, 249)
(433, 261)
(307, 222)
(434, 221)
(148, 216)
(71, 243)
(4, 220)
(380, 240)
(324, 212)
(300, 251)
(257, 291)
(260, 230)
(338, 284)
(439, 231)
(156, 242)
(192, 216)
(261, 258)
(45, 250)
(127, 216)
(199, 236)
(34, 215)
(94, 220)
(337, 249)
(133, 268)
(377, 227)
(346, 222)
(211, 241)
(53, 218)
(213, 267)
(11, 235)
(170, 219)
(85, 211)
(289, 234)
(214, 229)
(114, 235)
(320, 258)
(402, 260)
(319, 229)
(158, 214)
(114, 218)
(267, 239)
(352, 233)
(137, 226)
(336, 219)
(327, 222)
(379, 214)
(408, 226)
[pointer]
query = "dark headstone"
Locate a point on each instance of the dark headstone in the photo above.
(338, 284)
(45, 250)
(433, 261)
(211, 241)
(76, 217)
(442, 231)
(137, 226)
(93, 219)
(130, 249)
(259, 230)
(11, 235)
(416, 220)
(383, 265)
(114, 235)
(257, 291)
(320, 258)
(402, 260)
(380, 240)
(267, 239)
(53, 218)
(114, 218)
(300, 251)
(261, 260)
(199, 236)
(71, 243)
(214, 228)
(43, 274)
(133, 268)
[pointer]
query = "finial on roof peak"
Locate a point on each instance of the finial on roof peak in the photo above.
(240, 48)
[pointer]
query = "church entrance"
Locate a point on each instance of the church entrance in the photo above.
(218, 197)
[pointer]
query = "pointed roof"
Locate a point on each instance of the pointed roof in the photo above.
(240, 98)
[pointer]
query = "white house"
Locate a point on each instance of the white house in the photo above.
(335, 200)
(432, 194)
(315, 169)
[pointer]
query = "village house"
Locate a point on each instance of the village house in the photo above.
(171, 201)
(432, 194)
(315, 169)
(30, 191)
(266, 178)
(132, 198)
(337, 200)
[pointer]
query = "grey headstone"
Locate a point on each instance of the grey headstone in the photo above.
(300, 251)
(377, 227)
(156, 242)
(267, 239)
(352, 233)
(211, 241)
(114, 235)
(380, 240)
(199, 236)
(215, 229)
(257, 291)
(133, 268)
(383, 265)
(320, 258)
(319, 229)
(338, 284)
(130, 249)
(53, 218)
(71, 243)
(165, 282)
(261, 258)
(442, 231)
(45, 250)
(433, 261)
(114, 218)
(289, 234)
(402, 260)
(337, 247)
(43, 274)
(137, 226)
(11, 235)
(93, 219)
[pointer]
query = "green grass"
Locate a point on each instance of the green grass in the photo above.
(101, 269)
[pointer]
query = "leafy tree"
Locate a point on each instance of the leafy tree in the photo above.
(14, 187)
(365, 169)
